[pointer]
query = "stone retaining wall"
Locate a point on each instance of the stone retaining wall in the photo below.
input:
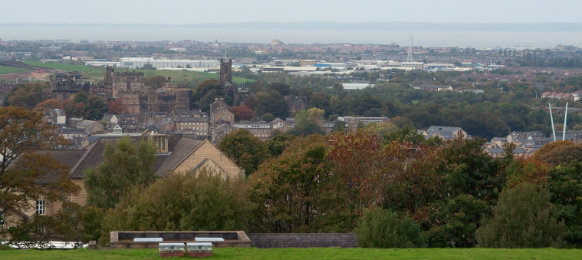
(267, 240)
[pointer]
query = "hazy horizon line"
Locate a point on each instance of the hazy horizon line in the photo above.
(542, 35)
(319, 23)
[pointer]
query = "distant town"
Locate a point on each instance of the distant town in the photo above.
(191, 126)
(166, 105)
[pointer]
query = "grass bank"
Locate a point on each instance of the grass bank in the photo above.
(8, 69)
(308, 253)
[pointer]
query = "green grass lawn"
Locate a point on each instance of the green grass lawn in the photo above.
(8, 70)
(308, 253)
(95, 74)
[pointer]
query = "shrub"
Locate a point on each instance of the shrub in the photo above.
(455, 221)
(200, 201)
(523, 217)
(384, 228)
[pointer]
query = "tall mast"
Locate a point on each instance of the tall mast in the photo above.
(565, 121)
(552, 120)
(409, 58)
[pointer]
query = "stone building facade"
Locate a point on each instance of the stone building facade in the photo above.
(130, 89)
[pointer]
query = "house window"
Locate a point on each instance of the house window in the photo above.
(40, 207)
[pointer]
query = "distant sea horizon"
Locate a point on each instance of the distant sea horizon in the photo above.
(474, 35)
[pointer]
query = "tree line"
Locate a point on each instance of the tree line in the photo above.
(392, 188)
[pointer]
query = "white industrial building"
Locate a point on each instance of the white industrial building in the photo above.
(136, 63)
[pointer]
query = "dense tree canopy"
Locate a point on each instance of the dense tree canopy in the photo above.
(560, 152)
(245, 149)
(25, 95)
(308, 122)
(272, 102)
(296, 191)
(206, 92)
(125, 164)
(523, 217)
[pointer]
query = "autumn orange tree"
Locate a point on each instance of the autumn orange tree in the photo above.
(26, 95)
(528, 170)
(242, 112)
(364, 167)
(560, 152)
(27, 175)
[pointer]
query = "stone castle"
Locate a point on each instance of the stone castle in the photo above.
(130, 90)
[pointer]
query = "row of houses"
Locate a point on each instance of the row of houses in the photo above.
(527, 143)
(193, 124)
(574, 96)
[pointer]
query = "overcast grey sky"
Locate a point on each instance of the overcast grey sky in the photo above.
(214, 11)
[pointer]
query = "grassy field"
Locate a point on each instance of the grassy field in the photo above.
(8, 70)
(184, 75)
(95, 74)
(308, 253)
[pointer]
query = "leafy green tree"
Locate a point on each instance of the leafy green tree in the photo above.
(415, 185)
(206, 92)
(308, 122)
(272, 102)
(94, 108)
(148, 67)
(523, 217)
(277, 144)
(455, 221)
(91, 220)
(319, 100)
(80, 97)
(201, 201)
(380, 129)
(283, 89)
(367, 105)
(268, 117)
(408, 134)
(565, 184)
(125, 164)
(155, 81)
(484, 124)
(386, 229)
(245, 149)
(296, 192)
(468, 169)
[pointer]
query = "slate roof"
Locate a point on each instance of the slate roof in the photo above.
(179, 149)
(447, 132)
(67, 157)
(179, 152)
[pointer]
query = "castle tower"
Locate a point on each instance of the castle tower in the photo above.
(226, 71)
(230, 90)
